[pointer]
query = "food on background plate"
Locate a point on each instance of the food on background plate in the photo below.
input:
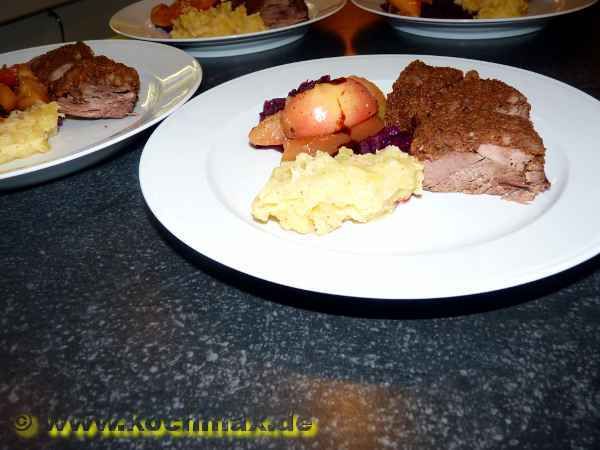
(278, 13)
(494, 9)
(27, 119)
(211, 18)
(163, 15)
(52, 65)
(68, 81)
(317, 193)
(457, 9)
(86, 85)
(20, 89)
(220, 20)
(24, 133)
(473, 135)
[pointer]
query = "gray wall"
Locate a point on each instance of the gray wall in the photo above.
(14, 9)
(82, 19)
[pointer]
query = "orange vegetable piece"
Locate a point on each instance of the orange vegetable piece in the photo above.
(8, 99)
(202, 4)
(162, 15)
(8, 76)
(30, 92)
(407, 7)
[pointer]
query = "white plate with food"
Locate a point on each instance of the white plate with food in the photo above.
(435, 245)
(134, 21)
(99, 119)
(538, 13)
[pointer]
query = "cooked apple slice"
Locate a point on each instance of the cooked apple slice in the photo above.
(369, 127)
(356, 102)
(315, 112)
(329, 144)
(268, 132)
(375, 92)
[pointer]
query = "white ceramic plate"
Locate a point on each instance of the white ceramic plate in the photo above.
(439, 245)
(169, 77)
(134, 22)
(539, 13)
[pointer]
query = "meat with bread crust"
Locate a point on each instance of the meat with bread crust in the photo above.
(97, 88)
(276, 13)
(414, 92)
(51, 66)
(476, 94)
(85, 85)
(473, 135)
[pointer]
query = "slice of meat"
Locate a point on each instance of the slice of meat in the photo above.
(505, 154)
(51, 66)
(473, 135)
(97, 88)
(414, 92)
(277, 13)
(476, 94)
(465, 131)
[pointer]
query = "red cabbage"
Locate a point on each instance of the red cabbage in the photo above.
(275, 105)
(387, 136)
(271, 107)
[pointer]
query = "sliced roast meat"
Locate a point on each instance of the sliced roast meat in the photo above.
(97, 88)
(277, 13)
(414, 92)
(473, 135)
(476, 94)
(51, 66)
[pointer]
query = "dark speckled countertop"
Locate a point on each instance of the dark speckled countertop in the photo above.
(105, 314)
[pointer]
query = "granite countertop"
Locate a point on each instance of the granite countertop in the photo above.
(105, 314)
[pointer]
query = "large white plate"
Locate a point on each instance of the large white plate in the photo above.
(539, 13)
(439, 245)
(169, 77)
(134, 21)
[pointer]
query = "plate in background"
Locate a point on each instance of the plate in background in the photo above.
(438, 245)
(168, 76)
(539, 13)
(134, 22)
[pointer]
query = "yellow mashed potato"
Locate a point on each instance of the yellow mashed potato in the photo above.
(219, 20)
(24, 133)
(317, 194)
(494, 9)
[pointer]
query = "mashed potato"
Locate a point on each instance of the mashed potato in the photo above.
(316, 194)
(219, 20)
(27, 132)
(494, 9)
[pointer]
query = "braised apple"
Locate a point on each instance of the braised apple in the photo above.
(369, 127)
(356, 102)
(321, 115)
(268, 132)
(315, 112)
(329, 144)
(375, 92)
(327, 108)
